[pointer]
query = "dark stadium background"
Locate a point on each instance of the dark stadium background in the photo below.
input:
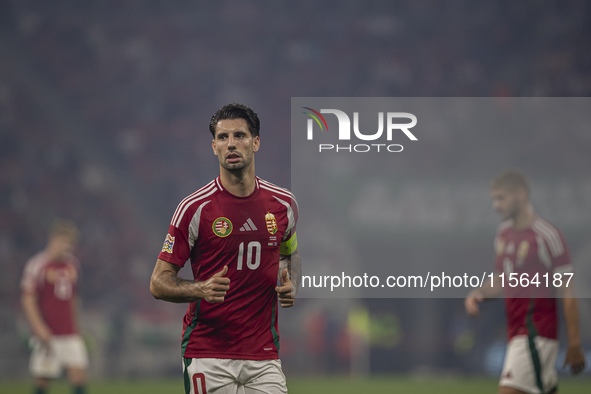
(104, 112)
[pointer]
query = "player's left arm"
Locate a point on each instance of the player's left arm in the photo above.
(562, 263)
(75, 303)
(290, 267)
(574, 353)
(75, 308)
(290, 262)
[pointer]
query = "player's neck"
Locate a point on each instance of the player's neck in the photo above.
(241, 183)
(54, 255)
(524, 218)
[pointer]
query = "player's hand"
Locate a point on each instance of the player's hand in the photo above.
(214, 289)
(285, 292)
(44, 334)
(472, 304)
(575, 358)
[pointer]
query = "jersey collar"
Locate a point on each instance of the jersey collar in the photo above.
(226, 193)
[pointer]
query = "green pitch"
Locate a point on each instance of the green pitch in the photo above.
(342, 385)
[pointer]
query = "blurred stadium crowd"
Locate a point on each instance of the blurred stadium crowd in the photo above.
(104, 108)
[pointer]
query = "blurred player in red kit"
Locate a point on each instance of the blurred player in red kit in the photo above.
(237, 231)
(527, 244)
(50, 303)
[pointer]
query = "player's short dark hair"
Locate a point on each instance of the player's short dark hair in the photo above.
(64, 228)
(511, 179)
(236, 111)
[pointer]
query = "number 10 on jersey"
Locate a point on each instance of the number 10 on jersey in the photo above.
(253, 255)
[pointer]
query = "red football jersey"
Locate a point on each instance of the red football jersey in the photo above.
(539, 249)
(213, 228)
(54, 282)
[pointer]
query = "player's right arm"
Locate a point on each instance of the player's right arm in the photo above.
(487, 291)
(484, 293)
(165, 284)
(33, 314)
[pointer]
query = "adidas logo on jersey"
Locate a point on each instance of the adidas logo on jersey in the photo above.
(248, 226)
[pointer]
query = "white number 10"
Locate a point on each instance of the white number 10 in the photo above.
(249, 260)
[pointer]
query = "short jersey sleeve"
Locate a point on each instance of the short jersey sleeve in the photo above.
(289, 242)
(175, 249)
(559, 254)
(183, 232)
(32, 275)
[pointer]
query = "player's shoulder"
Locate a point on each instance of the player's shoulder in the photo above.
(541, 224)
(38, 259)
(36, 263)
(274, 189)
(549, 233)
(202, 193)
(278, 193)
(193, 201)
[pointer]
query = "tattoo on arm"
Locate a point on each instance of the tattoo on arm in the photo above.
(176, 280)
(165, 284)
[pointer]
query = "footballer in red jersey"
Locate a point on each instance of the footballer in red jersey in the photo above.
(49, 287)
(236, 231)
(528, 246)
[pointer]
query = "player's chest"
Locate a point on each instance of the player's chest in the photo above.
(236, 223)
(59, 281)
(521, 252)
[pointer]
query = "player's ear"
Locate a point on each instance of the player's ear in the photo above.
(215, 152)
(257, 143)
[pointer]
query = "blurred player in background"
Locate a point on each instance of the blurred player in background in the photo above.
(527, 244)
(50, 303)
(235, 230)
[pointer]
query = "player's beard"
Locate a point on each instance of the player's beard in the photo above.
(237, 167)
(511, 211)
